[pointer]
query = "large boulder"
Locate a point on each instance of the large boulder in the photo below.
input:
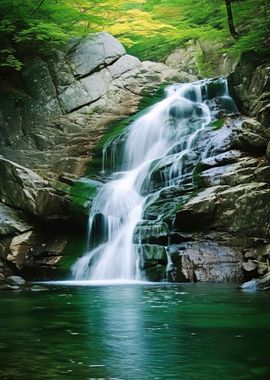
(24, 190)
(92, 53)
(206, 260)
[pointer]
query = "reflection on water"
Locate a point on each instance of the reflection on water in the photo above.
(136, 332)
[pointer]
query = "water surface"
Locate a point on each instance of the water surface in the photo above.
(135, 332)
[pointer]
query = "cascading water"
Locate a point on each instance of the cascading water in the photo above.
(168, 133)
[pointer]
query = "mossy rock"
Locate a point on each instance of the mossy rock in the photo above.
(217, 124)
(82, 193)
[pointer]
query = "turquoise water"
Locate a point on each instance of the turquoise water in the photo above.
(136, 332)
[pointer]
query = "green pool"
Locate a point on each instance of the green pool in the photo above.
(135, 332)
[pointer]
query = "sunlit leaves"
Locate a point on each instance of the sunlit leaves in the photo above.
(149, 29)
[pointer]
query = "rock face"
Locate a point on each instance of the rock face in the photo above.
(65, 103)
(28, 207)
(250, 85)
(24, 190)
(202, 58)
(51, 118)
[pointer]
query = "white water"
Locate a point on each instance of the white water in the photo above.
(169, 130)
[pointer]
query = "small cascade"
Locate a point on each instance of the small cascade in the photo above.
(165, 135)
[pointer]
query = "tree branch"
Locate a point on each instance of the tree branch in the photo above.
(38, 8)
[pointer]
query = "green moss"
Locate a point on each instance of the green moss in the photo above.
(196, 178)
(217, 124)
(60, 186)
(207, 63)
(82, 192)
(74, 249)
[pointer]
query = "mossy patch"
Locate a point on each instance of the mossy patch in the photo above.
(74, 249)
(217, 124)
(82, 192)
(196, 178)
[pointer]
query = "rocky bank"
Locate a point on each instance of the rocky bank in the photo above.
(215, 228)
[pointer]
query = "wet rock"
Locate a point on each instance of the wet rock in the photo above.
(82, 193)
(204, 260)
(9, 287)
(153, 261)
(249, 266)
(38, 288)
(250, 285)
(257, 283)
(222, 159)
(15, 280)
(151, 232)
(199, 211)
(37, 249)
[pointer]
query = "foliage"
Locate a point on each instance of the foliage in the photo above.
(32, 27)
(150, 29)
(207, 20)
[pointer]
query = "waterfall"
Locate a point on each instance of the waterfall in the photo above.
(168, 132)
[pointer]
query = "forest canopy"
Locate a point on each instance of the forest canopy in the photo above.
(149, 29)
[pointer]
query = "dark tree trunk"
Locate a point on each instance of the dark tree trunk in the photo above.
(230, 19)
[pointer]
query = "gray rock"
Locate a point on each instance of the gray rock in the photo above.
(250, 285)
(94, 52)
(123, 64)
(207, 261)
(249, 84)
(73, 97)
(97, 84)
(38, 288)
(153, 261)
(93, 83)
(16, 280)
(147, 230)
(23, 189)
(185, 58)
(9, 287)
(12, 221)
(249, 266)
(37, 81)
(222, 159)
